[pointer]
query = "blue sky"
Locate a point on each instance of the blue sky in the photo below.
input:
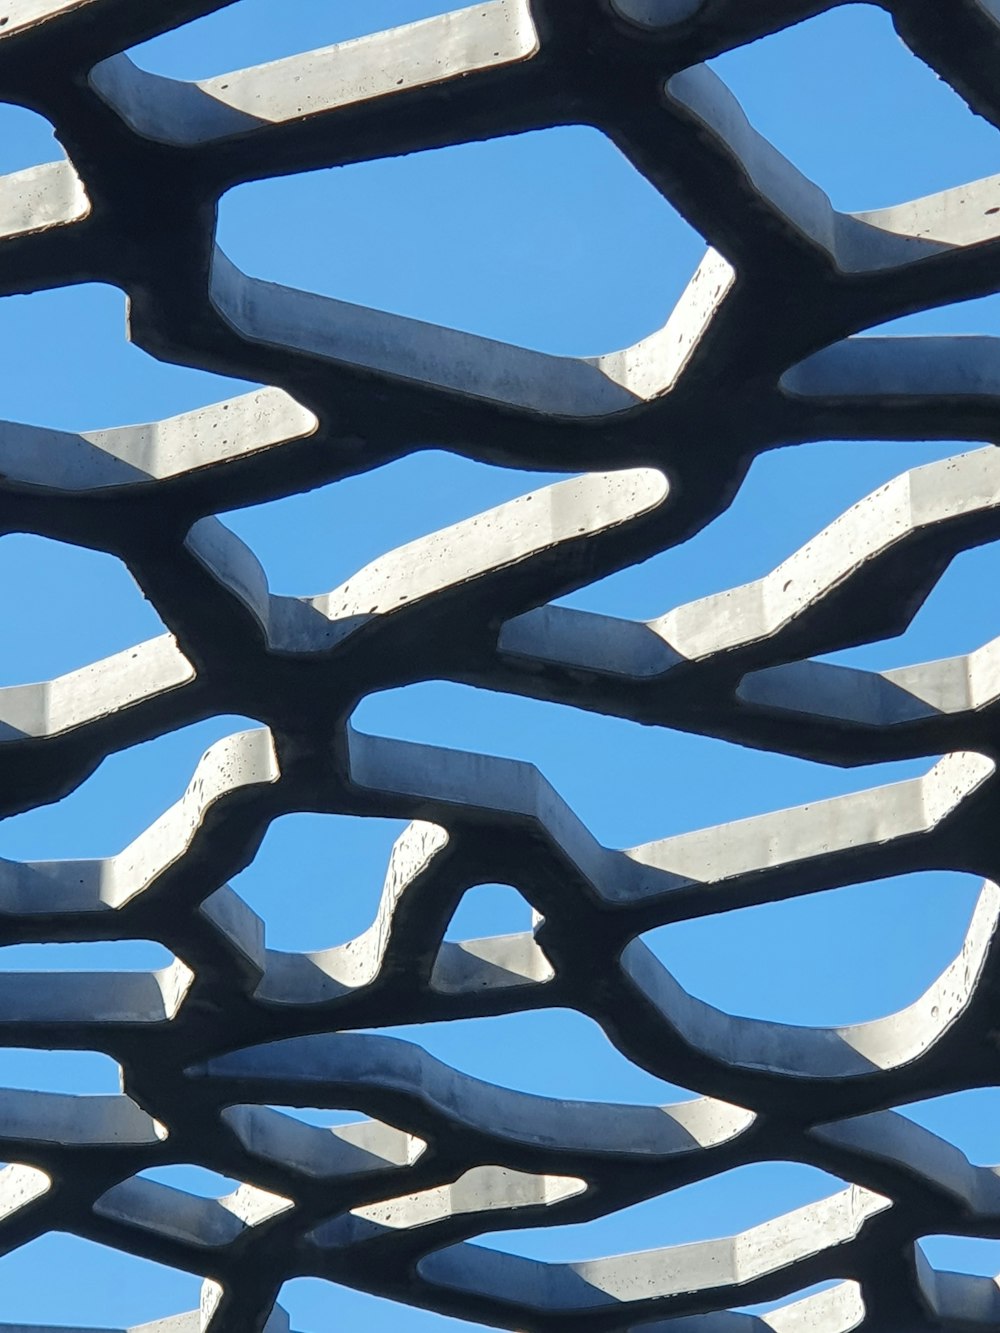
(553, 241)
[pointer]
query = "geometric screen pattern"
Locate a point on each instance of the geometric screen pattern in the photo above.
(762, 350)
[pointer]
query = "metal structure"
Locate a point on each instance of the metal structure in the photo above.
(759, 352)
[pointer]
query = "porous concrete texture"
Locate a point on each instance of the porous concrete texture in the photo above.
(664, 432)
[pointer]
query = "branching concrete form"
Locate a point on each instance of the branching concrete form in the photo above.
(759, 352)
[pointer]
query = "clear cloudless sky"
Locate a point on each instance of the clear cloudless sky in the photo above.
(551, 240)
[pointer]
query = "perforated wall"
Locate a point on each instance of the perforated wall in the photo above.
(760, 351)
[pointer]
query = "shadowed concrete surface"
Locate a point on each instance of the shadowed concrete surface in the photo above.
(663, 433)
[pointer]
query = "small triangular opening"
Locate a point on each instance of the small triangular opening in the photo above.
(490, 909)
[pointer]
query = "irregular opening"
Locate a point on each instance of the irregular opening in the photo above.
(64, 348)
(84, 1073)
(724, 1205)
(317, 879)
(758, 530)
(26, 139)
(313, 542)
(320, 1117)
(128, 793)
(962, 1254)
(193, 1180)
(313, 1303)
(955, 619)
(981, 315)
(970, 1120)
(520, 239)
(768, 1307)
(96, 1285)
(64, 607)
(628, 783)
(247, 34)
(489, 909)
(548, 1052)
(92, 956)
(840, 96)
(826, 959)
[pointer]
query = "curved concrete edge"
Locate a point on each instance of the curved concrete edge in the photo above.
(896, 1042)
(332, 332)
(528, 536)
(397, 1081)
(414, 57)
(657, 1280)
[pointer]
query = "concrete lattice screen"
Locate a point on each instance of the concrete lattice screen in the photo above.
(760, 351)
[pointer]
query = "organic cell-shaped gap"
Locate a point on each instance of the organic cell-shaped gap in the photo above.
(963, 1254)
(245, 33)
(314, 1304)
(489, 909)
(192, 1179)
(969, 1119)
(844, 956)
(978, 316)
(320, 1117)
(817, 1288)
(840, 96)
(89, 956)
(128, 792)
(26, 139)
(317, 879)
(314, 542)
(789, 495)
(548, 1052)
(69, 366)
(65, 607)
(94, 1285)
(82, 1073)
(954, 619)
(549, 239)
(628, 783)
(724, 1205)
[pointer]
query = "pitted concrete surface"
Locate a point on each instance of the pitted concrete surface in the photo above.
(664, 432)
